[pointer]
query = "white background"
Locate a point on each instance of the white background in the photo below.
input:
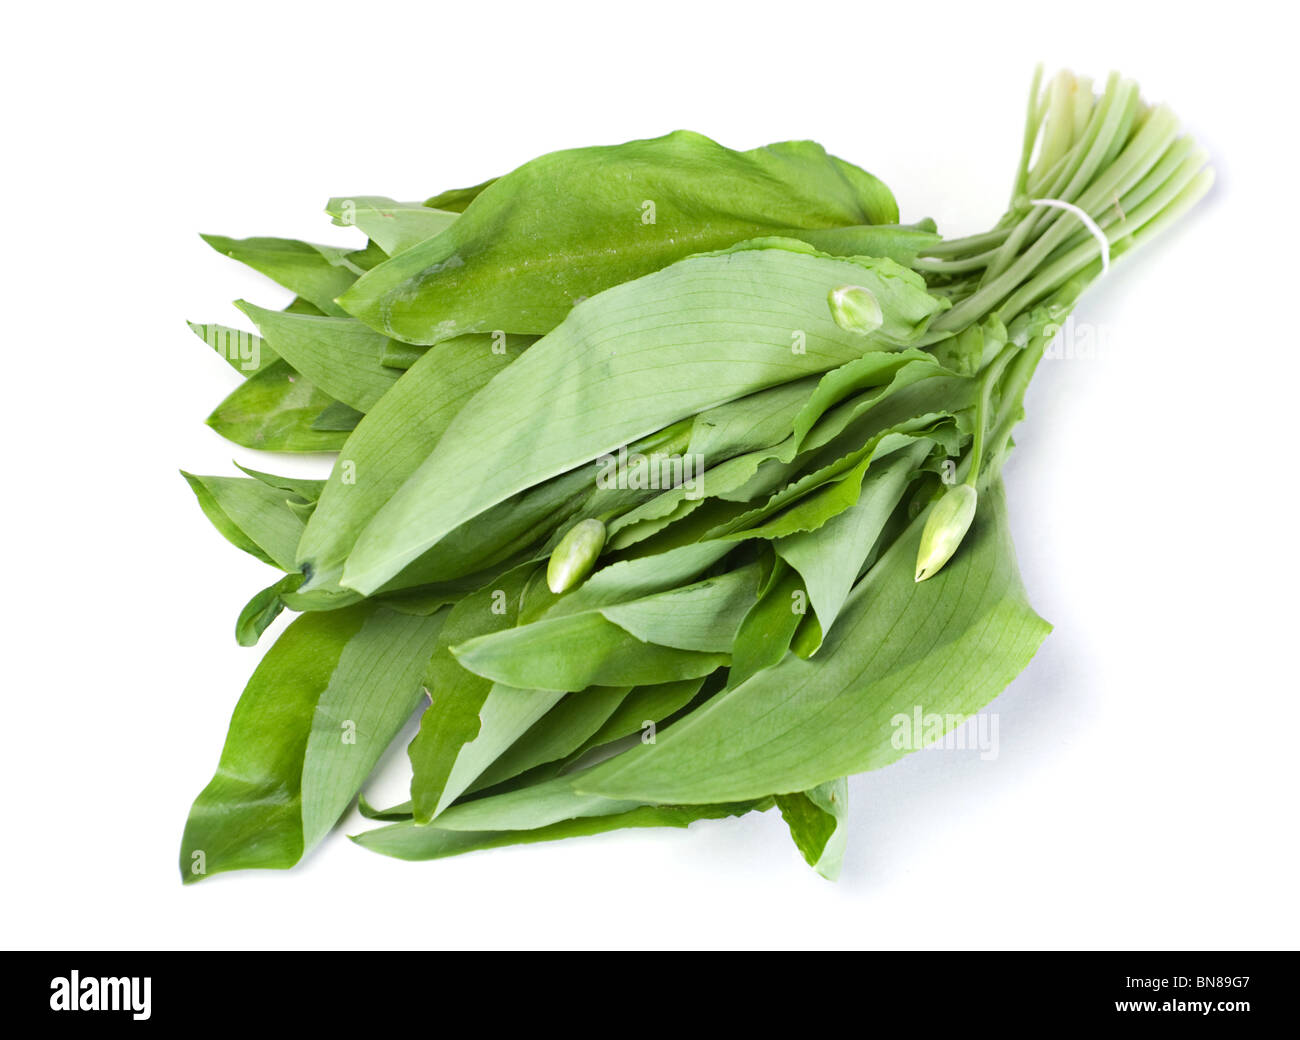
(1145, 792)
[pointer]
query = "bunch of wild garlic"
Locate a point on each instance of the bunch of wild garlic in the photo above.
(667, 475)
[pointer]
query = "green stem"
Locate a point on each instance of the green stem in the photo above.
(1033, 123)
(958, 246)
(987, 378)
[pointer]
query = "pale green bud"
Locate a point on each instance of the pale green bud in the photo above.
(573, 558)
(949, 520)
(855, 309)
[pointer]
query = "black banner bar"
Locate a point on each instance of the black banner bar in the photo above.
(144, 990)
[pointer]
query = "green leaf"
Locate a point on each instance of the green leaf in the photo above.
(262, 609)
(949, 644)
(457, 697)
(731, 480)
(823, 493)
(338, 417)
(392, 441)
(401, 811)
(644, 704)
(369, 257)
(698, 339)
(830, 558)
(560, 732)
(703, 616)
(760, 420)
(340, 355)
(885, 374)
(302, 510)
(766, 630)
(506, 714)
(899, 242)
(245, 352)
(288, 769)
(300, 306)
(373, 693)
(537, 805)
(413, 842)
(396, 354)
(250, 515)
(571, 224)
(393, 226)
(304, 488)
(319, 274)
(817, 820)
(572, 653)
(633, 579)
(457, 200)
(274, 411)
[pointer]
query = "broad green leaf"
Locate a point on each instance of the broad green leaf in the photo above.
(505, 715)
(886, 373)
(826, 491)
(633, 579)
(305, 488)
(830, 558)
(641, 712)
(574, 652)
(393, 226)
(274, 411)
(457, 696)
(948, 644)
(457, 200)
(917, 393)
(318, 712)
(698, 337)
(250, 515)
(727, 480)
(373, 693)
(340, 355)
(760, 420)
(507, 534)
(817, 820)
(528, 807)
(245, 352)
(413, 842)
(644, 704)
(703, 616)
(633, 475)
(425, 599)
(319, 274)
(339, 417)
(899, 242)
(832, 438)
(369, 257)
(655, 516)
(823, 491)
(560, 732)
(766, 630)
(392, 441)
(571, 224)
